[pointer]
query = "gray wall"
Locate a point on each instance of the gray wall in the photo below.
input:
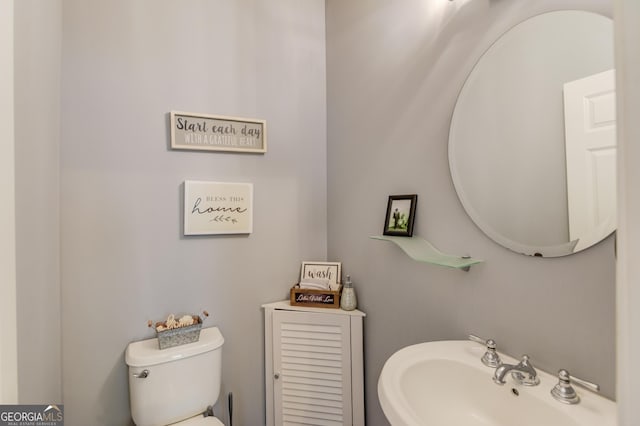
(37, 131)
(125, 65)
(394, 70)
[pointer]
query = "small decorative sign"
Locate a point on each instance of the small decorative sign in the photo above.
(322, 270)
(212, 208)
(315, 298)
(204, 132)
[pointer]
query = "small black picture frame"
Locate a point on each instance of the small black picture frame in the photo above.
(401, 212)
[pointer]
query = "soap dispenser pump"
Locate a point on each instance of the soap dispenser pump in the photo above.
(348, 301)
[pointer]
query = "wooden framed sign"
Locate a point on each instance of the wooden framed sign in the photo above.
(314, 298)
(204, 132)
(212, 208)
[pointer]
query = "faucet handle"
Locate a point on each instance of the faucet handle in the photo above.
(564, 392)
(528, 376)
(490, 357)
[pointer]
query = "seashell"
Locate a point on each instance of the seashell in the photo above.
(186, 320)
(171, 322)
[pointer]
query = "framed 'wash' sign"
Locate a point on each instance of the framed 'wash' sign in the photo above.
(330, 271)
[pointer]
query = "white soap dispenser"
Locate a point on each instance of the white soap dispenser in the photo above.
(348, 301)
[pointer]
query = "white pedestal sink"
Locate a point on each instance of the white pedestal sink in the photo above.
(445, 384)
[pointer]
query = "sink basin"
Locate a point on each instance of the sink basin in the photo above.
(445, 384)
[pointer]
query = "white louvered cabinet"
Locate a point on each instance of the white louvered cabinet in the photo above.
(313, 366)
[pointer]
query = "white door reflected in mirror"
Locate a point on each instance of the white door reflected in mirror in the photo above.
(590, 137)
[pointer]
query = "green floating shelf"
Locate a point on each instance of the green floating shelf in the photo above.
(422, 251)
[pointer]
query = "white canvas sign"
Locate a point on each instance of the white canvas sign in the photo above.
(212, 208)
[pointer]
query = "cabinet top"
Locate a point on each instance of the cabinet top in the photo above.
(285, 305)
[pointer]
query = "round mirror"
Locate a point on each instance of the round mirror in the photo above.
(532, 138)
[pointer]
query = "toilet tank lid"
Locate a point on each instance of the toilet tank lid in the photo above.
(146, 352)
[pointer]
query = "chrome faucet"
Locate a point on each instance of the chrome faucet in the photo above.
(523, 373)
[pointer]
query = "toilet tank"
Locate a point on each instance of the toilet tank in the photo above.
(180, 382)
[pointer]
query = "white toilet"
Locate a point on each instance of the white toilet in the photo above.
(175, 385)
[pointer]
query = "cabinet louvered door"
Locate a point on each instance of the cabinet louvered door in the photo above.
(312, 369)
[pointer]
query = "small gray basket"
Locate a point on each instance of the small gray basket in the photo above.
(179, 336)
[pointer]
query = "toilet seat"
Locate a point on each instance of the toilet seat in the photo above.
(199, 420)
